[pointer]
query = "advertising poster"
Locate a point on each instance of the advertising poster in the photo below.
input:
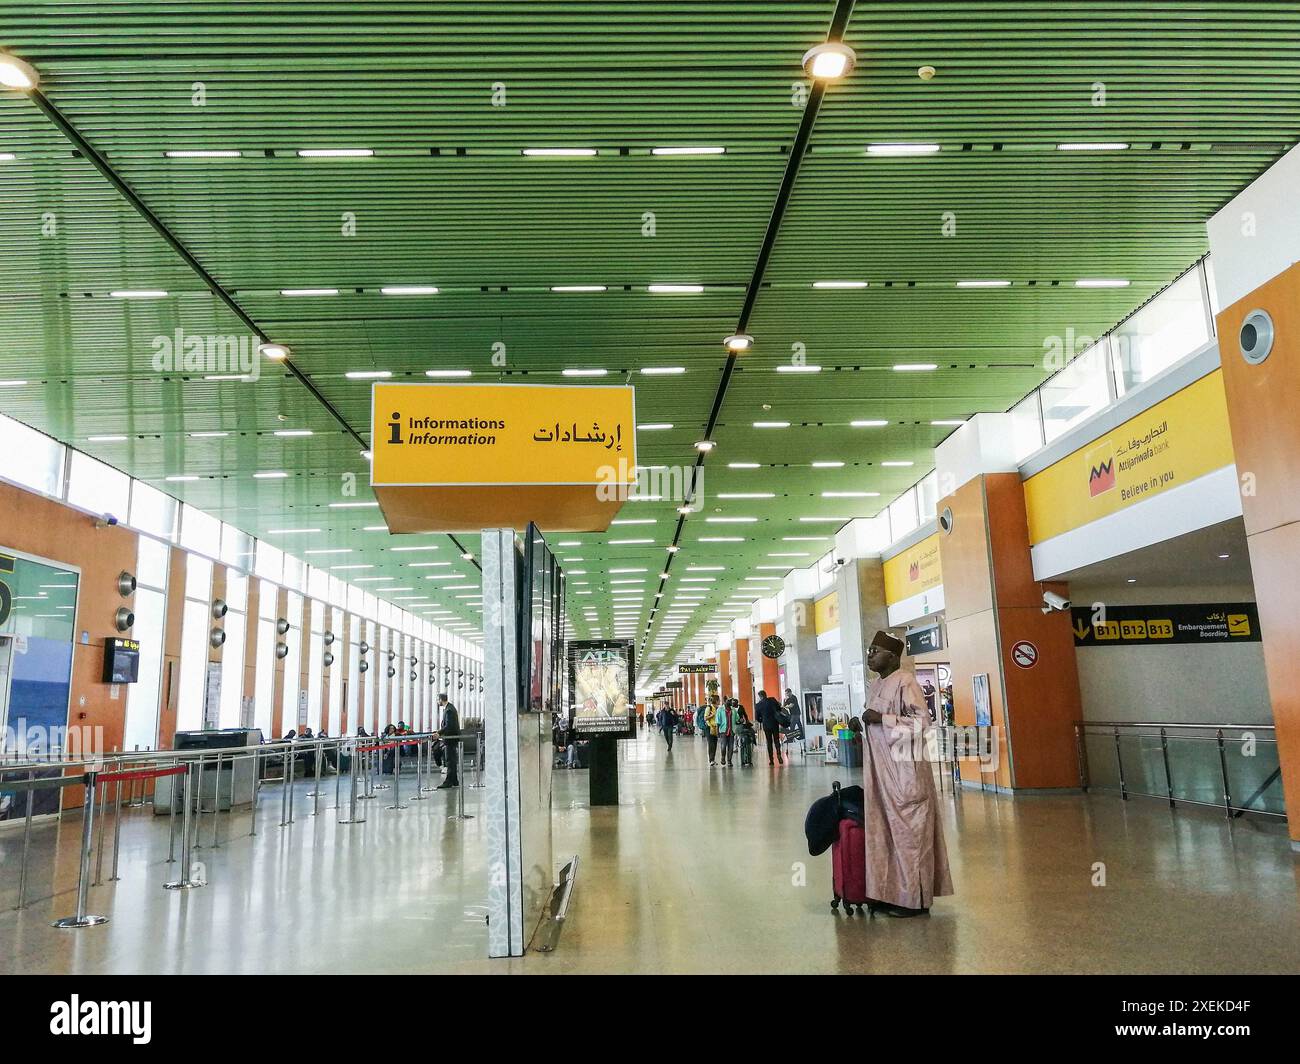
(835, 709)
(599, 676)
(814, 724)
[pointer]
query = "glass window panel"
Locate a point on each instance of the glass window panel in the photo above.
(97, 487)
(232, 671)
(1168, 328)
(318, 583)
(270, 562)
(152, 562)
(194, 665)
(927, 494)
(153, 511)
(293, 573)
(236, 590)
(902, 514)
(292, 666)
(1026, 427)
(1076, 392)
(143, 696)
(236, 547)
(30, 458)
(268, 596)
(264, 680)
(198, 577)
(200, 532)
(1209, 284)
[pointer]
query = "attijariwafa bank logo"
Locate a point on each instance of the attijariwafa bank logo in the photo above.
(1101, 469)
(623, 482)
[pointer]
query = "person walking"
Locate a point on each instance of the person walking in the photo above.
(745, 736)
(668, 725)
(768, 713)
(726, 719)
(711, 731)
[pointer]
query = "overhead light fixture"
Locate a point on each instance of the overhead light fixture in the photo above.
(983, 284)
(207, 435)
(672, 549)
(368, 374)
(947, 422)
(850, 494)
(662, 371)
(17, 74)
(897, 465)
(1103, 145)
(1101, 282)
(12, 384)
(271, 475)
(106, 439)
(744, 465)
(839, 284)
(705, 445)
(702, 150)
(675, 289)
(293, 432)
(771, 424)
(902, 149)
(180, 478)
(786, 367)
(275, 352)
(579, 288)
(560, 153)
(309, 291)
(409, 290)
(354, 505)
(335, 153)
(288, 531)
(828, 61)
(828, 465)
(448, 373)
(746, 495)
(914, 367)
(738, 342)
(139, 293)
(654, 426)
(584, 372)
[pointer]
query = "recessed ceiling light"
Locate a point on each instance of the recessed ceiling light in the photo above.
(448, 373)
(687, 150)
(409, 290)
(354, 505)
(730, 520)
(662, 371)
(329, 550)
(12, 384)
(902, 149)
(335, 153)
(744, 465)
(106, 439)
(850, 494)
(914, 367)
(983, 284)
(628, 542)
(138, 293)
(705, 445)
(788, 368)
(827, 465)
(579, 288)
(570, 543)
(676, 289)
(946, 422)
(178, 478)
(293, 432)
(868, 424)
(839, 284)
(368, 374)
(290, 531)
(560, 153)
(584, 372)
(738, 342)
(341, 568)
(275, 352)
(771, 424)
(1225, 555)
(1101, 145)
(422, 546)
(271, 475)
(657, 426)
(671, 549)
(309, 291)
(897, 464)
(747, 495)
(828, 61)
(1132, 580)
(1101, 282)
(17, 74)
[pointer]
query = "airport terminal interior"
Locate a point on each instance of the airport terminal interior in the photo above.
(800, 486)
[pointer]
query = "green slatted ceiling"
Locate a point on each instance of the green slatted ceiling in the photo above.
(1207, 95)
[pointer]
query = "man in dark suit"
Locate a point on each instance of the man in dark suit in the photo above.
(768, 713)
(449, 732)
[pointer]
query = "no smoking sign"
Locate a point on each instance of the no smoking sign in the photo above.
(1025, 654)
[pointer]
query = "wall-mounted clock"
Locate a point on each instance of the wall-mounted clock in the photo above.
(773, 646)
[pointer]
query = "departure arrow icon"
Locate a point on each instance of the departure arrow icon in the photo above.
(1081, 630)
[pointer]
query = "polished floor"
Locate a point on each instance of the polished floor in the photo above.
(697, 870)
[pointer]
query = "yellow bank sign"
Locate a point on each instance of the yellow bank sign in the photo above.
(914, 571)
(1173, 442)
(461, 457)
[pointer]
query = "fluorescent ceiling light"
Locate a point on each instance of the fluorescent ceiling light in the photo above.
(409, 290)
(743, 465)
(898, 465)
(633, 521)
(579, 288)
(106, 439)
(1101, 282)
(804, 539)
(822, 520)
(560, 153)
(628, 542)
(850, 494)
(271, 475)
(354, 505)
(730, 520)
(448, 373)
(828, 465)
(309, 291)
(983, 284)
(423, 546)
(721, 539)
(787, 368)
(662, 371)
(138, 293)
(179, 478)
(839, 284)
(12, 384)
(747, 495)
(293, 432)
(1102, 145)
(342, 568)
(368, 374)
(902, 149)
(675, 289)
(657, 426)
(701, 150)
(771, 424)
(335, 153)
(16, 74)
(329, 550)
(914, 367)
(945, 422)
(584, 372)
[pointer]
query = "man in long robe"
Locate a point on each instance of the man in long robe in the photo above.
(907, 863)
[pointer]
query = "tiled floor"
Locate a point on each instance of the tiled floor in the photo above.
(697, 870)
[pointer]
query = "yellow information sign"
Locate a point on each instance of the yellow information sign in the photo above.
(459, 457)
(914, 571)
(826, 613)
(1174, 442)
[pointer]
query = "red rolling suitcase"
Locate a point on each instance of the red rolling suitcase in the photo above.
(849, 866)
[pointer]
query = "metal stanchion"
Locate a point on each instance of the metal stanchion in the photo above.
(173, 786)
(216, 799)
(478, 760)
(418, 796)
(338, 769)
(198, 805)
(460, 813)
(352, 811)
(257, 790)
(184, 882)
(117, 825)
(286, 793)
(369, 762)
(99, 846)
(315, 792)
(397, 805)
(27, 839)
(82, 918)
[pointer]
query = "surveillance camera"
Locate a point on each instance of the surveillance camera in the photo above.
(105, 520)
(1053, 601)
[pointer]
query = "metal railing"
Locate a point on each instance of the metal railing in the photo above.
(1233, 767)
(120, 779)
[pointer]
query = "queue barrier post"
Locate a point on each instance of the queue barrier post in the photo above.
(82, 918)
(355, 763)
(418, 796)
(184, 882)
(460, 813)
(27, 839)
